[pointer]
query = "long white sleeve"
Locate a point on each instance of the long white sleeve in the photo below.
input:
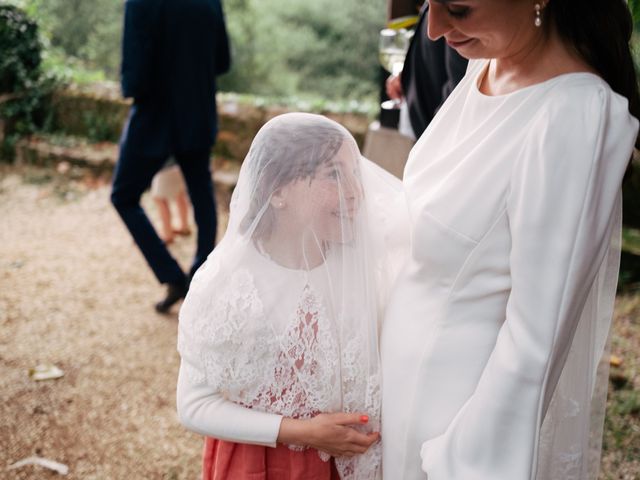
(563, 193)
(205, 411)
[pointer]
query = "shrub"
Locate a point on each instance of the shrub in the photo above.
(23, 86)
(21, 50)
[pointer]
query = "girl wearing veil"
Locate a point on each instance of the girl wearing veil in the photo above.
(280, 326)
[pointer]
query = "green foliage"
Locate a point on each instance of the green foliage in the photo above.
(23, 86)
(341, 59)
(326, 48)
(20, 60)
(621, 431)
(98, 129)
(634, 6)
(280, 48)
(87, 33)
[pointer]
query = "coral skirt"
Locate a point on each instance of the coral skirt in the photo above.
(236, 461)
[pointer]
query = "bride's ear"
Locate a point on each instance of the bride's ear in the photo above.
(278, 199)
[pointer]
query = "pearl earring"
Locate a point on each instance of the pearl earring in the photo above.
(538, 20)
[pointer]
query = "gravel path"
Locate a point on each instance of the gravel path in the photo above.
(76, 292)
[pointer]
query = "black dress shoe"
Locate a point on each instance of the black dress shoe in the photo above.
(175, 292)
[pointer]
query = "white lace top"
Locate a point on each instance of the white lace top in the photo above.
(273, 348)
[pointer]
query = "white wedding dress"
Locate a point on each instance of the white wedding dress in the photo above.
(514, 201)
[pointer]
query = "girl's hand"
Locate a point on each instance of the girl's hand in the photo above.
(329, 432)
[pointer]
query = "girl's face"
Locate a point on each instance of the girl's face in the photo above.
(483, 28)
(325, 204)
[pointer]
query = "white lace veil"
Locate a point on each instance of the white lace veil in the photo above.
(571, 435)
(283, 316)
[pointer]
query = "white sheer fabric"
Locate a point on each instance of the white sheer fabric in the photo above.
(571, 434)
(283, 316)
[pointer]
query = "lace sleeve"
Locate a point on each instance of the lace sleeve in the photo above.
(203, 410)
(216, 321)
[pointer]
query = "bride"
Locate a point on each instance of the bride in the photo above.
(494, 334)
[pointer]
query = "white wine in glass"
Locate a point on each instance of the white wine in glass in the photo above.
(392, 49)
(392, 60)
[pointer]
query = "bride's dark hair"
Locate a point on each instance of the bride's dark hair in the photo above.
(600, 31)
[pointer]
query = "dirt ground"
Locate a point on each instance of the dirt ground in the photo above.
(75, 292)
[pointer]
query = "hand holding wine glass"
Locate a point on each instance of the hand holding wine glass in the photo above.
(392, 50)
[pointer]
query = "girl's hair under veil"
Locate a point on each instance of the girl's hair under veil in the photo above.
(285, 151)
(283, 316)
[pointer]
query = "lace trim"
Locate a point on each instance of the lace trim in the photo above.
(566, 463)
(295, 374)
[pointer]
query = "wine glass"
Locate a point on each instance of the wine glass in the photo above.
(392, 49)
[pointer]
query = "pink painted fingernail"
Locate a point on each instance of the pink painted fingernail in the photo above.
(364, 418)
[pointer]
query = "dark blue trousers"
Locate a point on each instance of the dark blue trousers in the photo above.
(132, 176)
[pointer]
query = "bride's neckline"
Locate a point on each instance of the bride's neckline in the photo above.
(477, 80)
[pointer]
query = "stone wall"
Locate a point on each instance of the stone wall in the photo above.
(98, 115)
(86, 123)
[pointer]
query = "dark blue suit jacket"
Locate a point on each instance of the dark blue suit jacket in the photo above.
(172, 51)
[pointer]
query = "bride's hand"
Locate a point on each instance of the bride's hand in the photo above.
(329, 432)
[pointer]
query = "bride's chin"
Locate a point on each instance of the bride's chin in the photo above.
(465, 49)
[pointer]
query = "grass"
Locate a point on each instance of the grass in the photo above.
(621, 445)
(631, 240)
(621, 442)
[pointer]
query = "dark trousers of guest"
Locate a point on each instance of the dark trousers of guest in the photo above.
(133, 175)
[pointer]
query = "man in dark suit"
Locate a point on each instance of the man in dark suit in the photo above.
(431, 71)
(172, 51)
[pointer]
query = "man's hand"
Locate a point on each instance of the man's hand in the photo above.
(393, 86)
